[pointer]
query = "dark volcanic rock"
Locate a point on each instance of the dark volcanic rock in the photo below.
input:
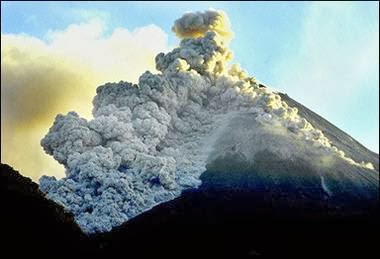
(235, 224)
(30, 223)
(232, 216)
(211, 221)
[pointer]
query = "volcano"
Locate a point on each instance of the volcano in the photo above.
(200, 159)
(236, 212)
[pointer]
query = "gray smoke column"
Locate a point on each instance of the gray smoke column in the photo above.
(148, 142)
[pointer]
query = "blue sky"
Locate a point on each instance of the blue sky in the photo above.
(324, 55)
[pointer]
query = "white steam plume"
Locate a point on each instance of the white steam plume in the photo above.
(149, 141)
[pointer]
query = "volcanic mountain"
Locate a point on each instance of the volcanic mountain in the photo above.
(199, 159)
(227, 216)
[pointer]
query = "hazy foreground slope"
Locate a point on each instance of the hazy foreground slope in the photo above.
(249, 155)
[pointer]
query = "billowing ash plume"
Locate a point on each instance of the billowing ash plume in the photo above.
(194, 25)
(148, 142)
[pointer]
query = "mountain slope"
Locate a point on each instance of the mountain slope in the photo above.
(340, 139)
(231, 214)
(258, 204)
(30, 223)
(241, 224)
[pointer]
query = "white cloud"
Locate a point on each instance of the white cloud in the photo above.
(40, 78)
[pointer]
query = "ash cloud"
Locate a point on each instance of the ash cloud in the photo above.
(148, 142)
(40, 78)
(195, 25)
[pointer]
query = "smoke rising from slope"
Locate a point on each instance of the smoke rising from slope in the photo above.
(148, 142)
(40, 79)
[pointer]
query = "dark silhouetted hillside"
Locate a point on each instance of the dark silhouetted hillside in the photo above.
(30, 223)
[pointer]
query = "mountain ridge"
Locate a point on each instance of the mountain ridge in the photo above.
(328, 128)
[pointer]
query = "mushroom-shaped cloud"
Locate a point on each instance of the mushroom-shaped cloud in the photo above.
(195, 25)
